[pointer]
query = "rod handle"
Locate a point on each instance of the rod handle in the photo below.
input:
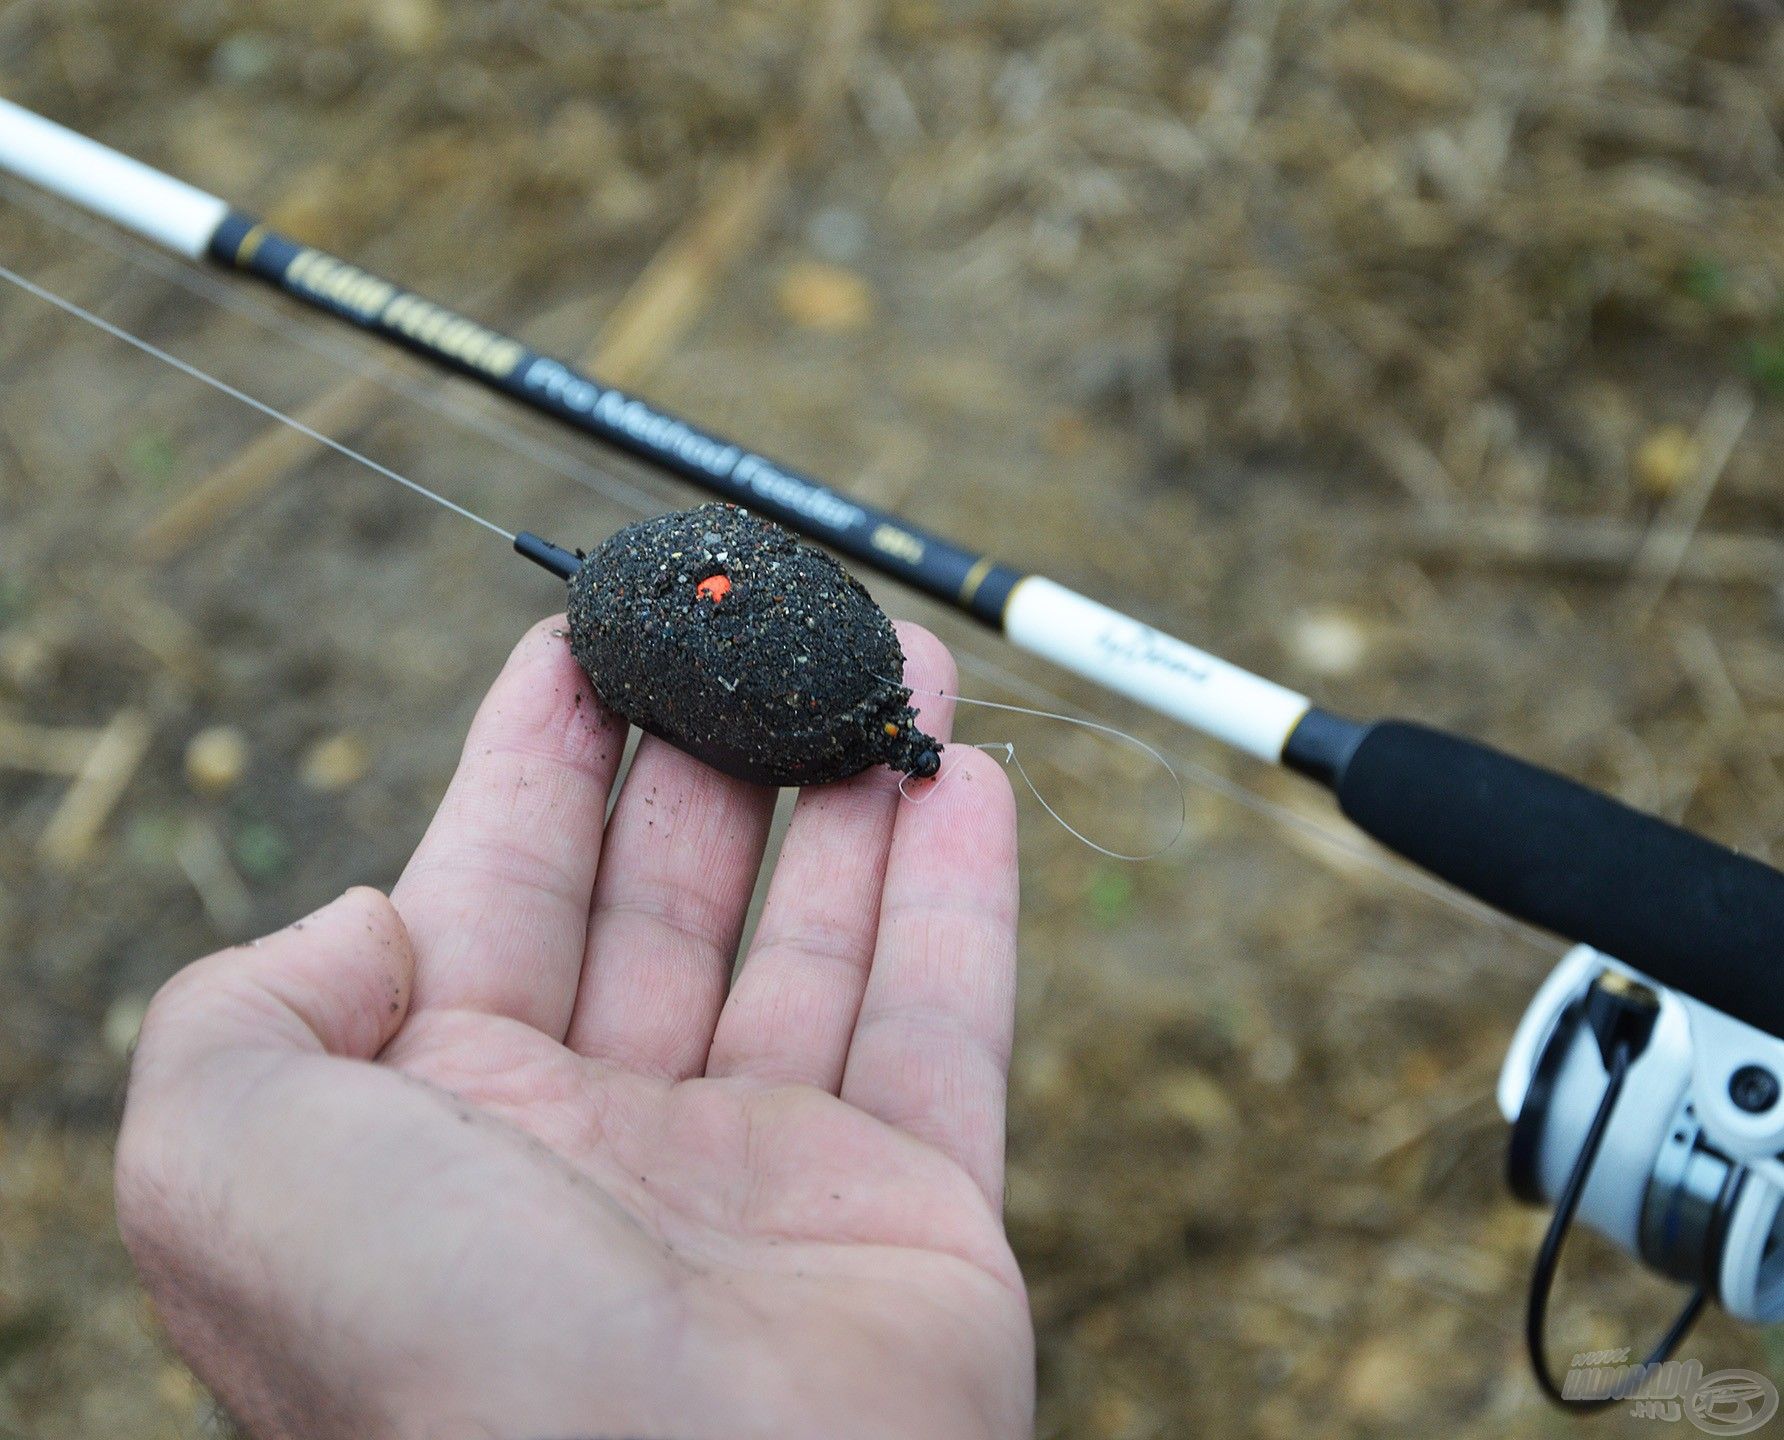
(1693, 914)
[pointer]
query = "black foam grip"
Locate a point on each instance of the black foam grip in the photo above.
(1691, 913)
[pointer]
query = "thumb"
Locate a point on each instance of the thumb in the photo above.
(252, 1138)
(336, 982)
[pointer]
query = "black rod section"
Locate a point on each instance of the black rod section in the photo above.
(969, 581)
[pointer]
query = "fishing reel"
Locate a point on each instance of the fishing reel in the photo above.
(1657, 1121)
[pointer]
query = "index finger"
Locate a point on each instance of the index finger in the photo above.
(496, 897)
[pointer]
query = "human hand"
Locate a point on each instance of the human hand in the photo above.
(500, 1156)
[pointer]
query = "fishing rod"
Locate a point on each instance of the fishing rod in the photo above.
(1679, 935)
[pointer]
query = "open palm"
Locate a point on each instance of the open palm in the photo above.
(508, 1155)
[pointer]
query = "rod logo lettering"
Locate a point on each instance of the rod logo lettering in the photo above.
(364, 297)
(890, 540)
(1136, 644)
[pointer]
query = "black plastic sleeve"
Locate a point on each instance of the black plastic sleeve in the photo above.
(1692, 914)
(560, 562)
(968, 581)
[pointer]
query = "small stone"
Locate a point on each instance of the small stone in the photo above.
(410, 27)
(1198, 1101)
(838, 234)
(1666, 459)
(1275, 1061)
(1327, 642)
(1385, 1380)
(825, 297)
(622, 198)
(25, 659)
(580, 138)
(216, 760)
(337, 763)
(244, 58)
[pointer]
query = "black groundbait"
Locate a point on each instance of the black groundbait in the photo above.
(756, 653)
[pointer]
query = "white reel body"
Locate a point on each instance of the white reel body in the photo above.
(1688, 1177)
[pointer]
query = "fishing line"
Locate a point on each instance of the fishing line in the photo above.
(117, 332)
(1010, 758)
(245, 305)
(552, 456)
(1348, 844)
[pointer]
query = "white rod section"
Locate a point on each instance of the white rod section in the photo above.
(125, 191)
(1245, 710)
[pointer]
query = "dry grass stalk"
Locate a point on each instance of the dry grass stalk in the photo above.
(150, 623)
(1613, 549)
(45, 749)
(674, 288)
(220, 889)
(1724, 421)
(110, 766)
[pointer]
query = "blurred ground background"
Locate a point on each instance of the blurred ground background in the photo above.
(1428, 357)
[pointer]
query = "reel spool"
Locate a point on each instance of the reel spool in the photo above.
(1658, 1122)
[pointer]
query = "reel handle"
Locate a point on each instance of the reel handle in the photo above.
(1692, 914)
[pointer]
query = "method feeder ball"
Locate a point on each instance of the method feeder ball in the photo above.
(737, 642)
